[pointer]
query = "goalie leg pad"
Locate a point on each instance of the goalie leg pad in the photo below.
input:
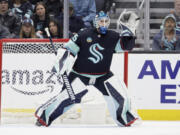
(111, 107)
(121, 102)
(59, 104)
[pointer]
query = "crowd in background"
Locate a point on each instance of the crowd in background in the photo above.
(29, 18)
(169, 36)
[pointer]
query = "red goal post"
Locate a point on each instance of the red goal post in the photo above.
(0, 77)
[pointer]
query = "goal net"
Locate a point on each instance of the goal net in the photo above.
(27, 82)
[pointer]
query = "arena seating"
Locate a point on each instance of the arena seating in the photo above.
(158, 10)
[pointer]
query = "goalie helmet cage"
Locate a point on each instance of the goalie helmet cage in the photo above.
(36, 46)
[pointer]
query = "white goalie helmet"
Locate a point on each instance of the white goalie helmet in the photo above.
(102, 22)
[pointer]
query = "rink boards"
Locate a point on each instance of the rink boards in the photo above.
(152, 79)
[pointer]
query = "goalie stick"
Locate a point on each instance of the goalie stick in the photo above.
(67, 84)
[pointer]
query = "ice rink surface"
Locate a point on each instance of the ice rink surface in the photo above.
(146, 128)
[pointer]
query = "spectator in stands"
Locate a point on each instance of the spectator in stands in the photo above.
(168, 37)
(75, 22)
(176, 12)
(103, 5)
(4, 32)
(27, 29)
(22, 8)
(41, 19)
(86, 9)
(56, 29)
(54, 7)
(8, 19)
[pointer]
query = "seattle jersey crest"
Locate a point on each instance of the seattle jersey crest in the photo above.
(94, 51)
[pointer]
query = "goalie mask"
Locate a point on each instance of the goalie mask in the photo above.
(101, 22)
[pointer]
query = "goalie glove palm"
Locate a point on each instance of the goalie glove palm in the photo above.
(130, 20)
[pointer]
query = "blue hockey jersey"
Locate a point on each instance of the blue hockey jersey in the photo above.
(94, 51)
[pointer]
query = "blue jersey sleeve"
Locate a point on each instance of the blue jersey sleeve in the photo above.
(118, 47)
(73, 44)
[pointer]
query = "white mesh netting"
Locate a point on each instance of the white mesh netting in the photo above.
(29, 47)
